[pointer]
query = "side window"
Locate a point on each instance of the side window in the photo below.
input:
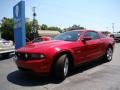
(103, 35)
(87, 34)
(93, 35)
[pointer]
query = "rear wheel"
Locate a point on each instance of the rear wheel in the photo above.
(109, 54)
(61, 67)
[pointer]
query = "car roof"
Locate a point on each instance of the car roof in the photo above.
(84, 30)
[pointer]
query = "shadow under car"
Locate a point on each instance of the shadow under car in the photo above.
(27, 79)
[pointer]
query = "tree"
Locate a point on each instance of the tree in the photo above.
(7, 28)
(44, 27)
(32, 28)
(28, 27)
(74, 27)
(55, 29)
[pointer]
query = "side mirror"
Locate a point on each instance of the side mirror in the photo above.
(84, 39)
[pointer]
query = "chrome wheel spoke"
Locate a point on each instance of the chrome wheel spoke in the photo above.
(66, 66)
(109, 54)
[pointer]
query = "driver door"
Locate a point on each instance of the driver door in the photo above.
(93, 46)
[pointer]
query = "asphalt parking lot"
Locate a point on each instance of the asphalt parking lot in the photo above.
(95, 76)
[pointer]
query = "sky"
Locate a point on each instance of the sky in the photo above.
(91, 14)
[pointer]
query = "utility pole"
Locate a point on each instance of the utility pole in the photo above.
(113, 24)
(0, 30)
(34, 31)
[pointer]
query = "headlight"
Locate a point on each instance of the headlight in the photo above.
(37, 56)
(28, 56)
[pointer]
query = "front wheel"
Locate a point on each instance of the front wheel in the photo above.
(61, 67)
(109, 54)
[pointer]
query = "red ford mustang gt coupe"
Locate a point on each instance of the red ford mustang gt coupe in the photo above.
(66, 50)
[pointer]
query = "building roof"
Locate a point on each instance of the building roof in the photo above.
(48, 33)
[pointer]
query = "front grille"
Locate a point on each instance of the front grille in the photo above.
(23, 56)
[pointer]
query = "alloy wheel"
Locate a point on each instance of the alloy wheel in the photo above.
(66, 65)
(109, 54)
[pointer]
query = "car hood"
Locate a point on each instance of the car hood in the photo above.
(43, 46)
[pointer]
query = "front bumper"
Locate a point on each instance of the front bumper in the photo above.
(37, 66)
(7, 50)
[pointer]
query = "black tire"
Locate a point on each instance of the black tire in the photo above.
(61, 67)
(108, 55)
(5, 55)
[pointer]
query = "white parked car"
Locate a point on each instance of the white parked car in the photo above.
(6, 47)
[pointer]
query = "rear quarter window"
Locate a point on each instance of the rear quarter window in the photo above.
(103, 35)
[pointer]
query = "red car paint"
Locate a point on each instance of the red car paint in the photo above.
(81, 51)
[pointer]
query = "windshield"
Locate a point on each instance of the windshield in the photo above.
(68, 36)
(37, 40)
